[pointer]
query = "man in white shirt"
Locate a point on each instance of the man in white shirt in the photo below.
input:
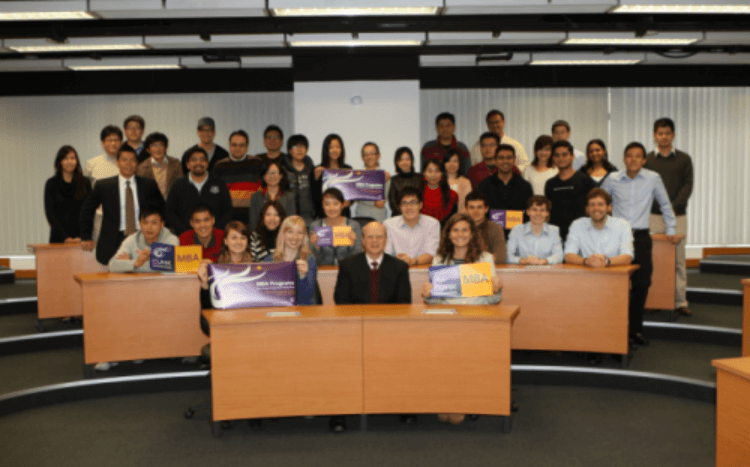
(496, 124)
(412, 237)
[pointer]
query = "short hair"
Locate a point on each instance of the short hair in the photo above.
(283, 183)
(135, 118)
(542, 142)
(198, 208)
(505, 147)
(493, 112)
(150, 209)
(156, 138)
(397, 155)
(560, 123)
(410, 191)
(110, 130)
(635, 144)
(599, 193)
(539, 200)
(242, 133)
(664, 123)
(488, 134)
(123, 149)
(192, 150)
(334, 193)
(370, 143)
(475, 196)
(562, 144)
(295, 140)
(271, 128)
(445, 116)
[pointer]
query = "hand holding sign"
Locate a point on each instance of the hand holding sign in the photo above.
(506, 219)
(465, 280)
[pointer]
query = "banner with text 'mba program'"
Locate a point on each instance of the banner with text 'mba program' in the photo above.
(252, 285)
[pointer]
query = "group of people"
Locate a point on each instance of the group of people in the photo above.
(578, 208)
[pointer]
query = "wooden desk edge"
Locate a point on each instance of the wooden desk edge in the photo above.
(746, 282)
(55, 246)
(736, 366)
(556, 268)
(129, 276)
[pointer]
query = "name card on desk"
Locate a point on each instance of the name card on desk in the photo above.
(429, 311)
(175, 258)
(465, 280)
(356, 185)
(334, 236)
(506, 219)
(252, 285)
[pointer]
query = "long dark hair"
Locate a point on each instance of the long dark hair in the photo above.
(283, 183)
(541, 143)
(224, 255)
(267, 238)
(445, 189)
(448, 156)
(78, 178)
(605, 162)
(446, 248)
(326, 160)
(400, 152)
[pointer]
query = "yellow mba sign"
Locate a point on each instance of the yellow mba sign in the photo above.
(187, 258)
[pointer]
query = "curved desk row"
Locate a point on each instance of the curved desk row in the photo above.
(369, 359)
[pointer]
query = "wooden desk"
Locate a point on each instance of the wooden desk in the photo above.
(140, 315)
(662, 290)
(732, 411)
(746, 318)
(58, 295)
(565, 307)
(353, 359)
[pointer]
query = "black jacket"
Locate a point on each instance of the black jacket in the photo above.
(107, 193)
(219, 154)
(353, 281)
(183, 197)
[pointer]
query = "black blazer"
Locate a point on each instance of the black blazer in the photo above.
(106, 192)
(353, 281)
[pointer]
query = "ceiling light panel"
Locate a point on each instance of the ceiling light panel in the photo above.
(727, 38)
(44, 10)
(141, 63)
(721, 7)
(586, 59)
(485, 38)
(699, 59)
(496, 7)
(81, 44)
(364, 40)
(198, 62)
(31, 65)
(623, 39)
(217, 41)
(362, 7)
(470, 60)
(267, 62)
(133, 9)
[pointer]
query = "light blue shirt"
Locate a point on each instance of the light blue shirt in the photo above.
(632, 198)
(522, 243)
(580, 159)
(615, 238)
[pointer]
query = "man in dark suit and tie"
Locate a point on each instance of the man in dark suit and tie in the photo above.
(120, 198)
(373, 276)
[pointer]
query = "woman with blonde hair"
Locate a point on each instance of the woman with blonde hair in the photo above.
(292, 244)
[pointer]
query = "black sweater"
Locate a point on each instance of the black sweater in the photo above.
(62, 208)
(183, 197)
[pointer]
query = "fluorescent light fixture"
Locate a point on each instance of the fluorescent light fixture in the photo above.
(31, 65)
(701, 9)
(355, 43)
(44, 15)
(217, 41)
(633, 41)
(267, 62)
(123, 67)
(584, 62)
(485, 38)
(699, 59)
(356, 11)
(141, 63)
(512, 7)
(76, 48)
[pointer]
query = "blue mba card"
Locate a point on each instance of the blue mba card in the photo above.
(162, 257)
(446, 281)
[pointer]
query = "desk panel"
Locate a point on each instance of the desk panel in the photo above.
(661, 294)
(746, 318)
(732, 412)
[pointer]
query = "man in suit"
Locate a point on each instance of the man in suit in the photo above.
(120, 198)
(372, 276)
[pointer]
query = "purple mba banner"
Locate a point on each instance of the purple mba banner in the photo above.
(252, 285)
(446, 281)
(162, 257)
(356, 185)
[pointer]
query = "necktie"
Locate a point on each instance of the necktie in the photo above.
(129, 210)
(374, 278)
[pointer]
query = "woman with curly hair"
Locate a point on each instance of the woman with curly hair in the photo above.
(292, 244)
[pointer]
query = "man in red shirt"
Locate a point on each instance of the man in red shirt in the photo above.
(488, 144)
(202, 221)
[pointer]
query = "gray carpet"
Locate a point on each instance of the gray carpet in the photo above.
(714, 281)
(22, 288)
(555, 426)
(705, 314)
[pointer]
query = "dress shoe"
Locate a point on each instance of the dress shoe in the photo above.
(640, 340)
(684, 311)
(338, 424)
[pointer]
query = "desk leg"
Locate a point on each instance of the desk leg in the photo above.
(363, 422)
(507, 423)
(625, 361)
(216, 429)
(88, 371)
(672, 316)
(40, 325)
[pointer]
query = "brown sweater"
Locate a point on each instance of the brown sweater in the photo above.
(493, 240)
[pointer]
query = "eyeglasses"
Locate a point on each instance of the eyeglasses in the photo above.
(273, 137)
(273, 173)
(299, 146)
(156, 145)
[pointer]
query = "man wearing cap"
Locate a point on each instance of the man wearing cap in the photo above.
(206, 135)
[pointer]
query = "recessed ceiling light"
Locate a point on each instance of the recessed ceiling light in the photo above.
(75, 48)
(45, 15)
(371, 11)
(122, 67)
(584, 62)
(355, 43)
(682, 9)
(634, 41)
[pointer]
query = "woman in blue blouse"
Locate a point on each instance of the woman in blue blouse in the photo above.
(292, 244)
(536, 242)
